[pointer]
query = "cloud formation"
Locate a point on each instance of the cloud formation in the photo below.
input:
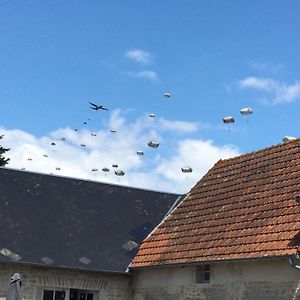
(267, 67)
(139, 56)
(198, 154)
(277, 92)
(178, 126)
(144, 74)
(83, 155)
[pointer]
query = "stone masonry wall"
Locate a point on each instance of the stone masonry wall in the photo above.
(35, 279)
(262, 280)
(247, 291)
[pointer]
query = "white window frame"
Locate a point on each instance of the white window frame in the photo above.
(67, 292)
(203, 273)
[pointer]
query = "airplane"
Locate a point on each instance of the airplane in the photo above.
(97, 107)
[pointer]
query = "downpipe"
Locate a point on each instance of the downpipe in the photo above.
(292, 264)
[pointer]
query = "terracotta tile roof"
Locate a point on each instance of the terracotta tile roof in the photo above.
(242, 208)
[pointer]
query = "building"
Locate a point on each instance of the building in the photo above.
(70, 238)
(235, 236)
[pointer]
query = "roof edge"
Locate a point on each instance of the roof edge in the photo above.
(29, 264)
(90, 180)
(263, 149)
(277, 257)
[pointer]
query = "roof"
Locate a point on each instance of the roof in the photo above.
(243, 208)
(64, 222)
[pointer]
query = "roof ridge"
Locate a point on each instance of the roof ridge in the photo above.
(87, 180)
(279, 145)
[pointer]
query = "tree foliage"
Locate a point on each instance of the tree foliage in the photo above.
(3, 160)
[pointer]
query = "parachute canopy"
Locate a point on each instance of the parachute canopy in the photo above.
(228, 119)
(246, 111)
(186, 169)
(153, 144)
(119, 172)
(288, 138)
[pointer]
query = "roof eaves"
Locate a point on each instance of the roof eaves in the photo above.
(240, 260)
(65, 268)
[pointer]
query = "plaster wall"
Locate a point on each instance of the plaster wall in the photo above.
(256, 280)
(35, 280)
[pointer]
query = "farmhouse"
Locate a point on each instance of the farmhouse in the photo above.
(235, 236)
(70, 238)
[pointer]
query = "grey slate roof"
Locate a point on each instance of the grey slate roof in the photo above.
(65, 222)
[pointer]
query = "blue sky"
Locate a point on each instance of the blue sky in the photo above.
(215, 57)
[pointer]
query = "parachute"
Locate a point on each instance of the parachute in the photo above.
(186, 169)
(246, 111)
(153, 144)
(228, 120)
(119, 172)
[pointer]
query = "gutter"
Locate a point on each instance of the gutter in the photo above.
(215, 261)
(292, 264)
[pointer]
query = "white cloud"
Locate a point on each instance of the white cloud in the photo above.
(140, 56)
(198, 154)
(154, 170)
(278, 92)
(179, 126)
(267, 67)
(257, 83)
(144, 74)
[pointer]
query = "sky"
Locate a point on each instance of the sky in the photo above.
(214, 57)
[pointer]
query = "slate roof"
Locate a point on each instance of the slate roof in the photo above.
(64, 222)
(243, 208)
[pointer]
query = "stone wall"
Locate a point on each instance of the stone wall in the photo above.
(35, 280)
(260, 280)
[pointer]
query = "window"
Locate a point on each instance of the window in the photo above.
(54, 295)
(48, 295)
(72, 294)
(202, 274)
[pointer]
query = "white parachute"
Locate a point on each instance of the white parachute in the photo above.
(288, 138)
(228, 120)
(186, 169)
(246, 111)
(119, 172)
(153, 144)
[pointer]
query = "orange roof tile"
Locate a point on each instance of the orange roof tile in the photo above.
(242, 208)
